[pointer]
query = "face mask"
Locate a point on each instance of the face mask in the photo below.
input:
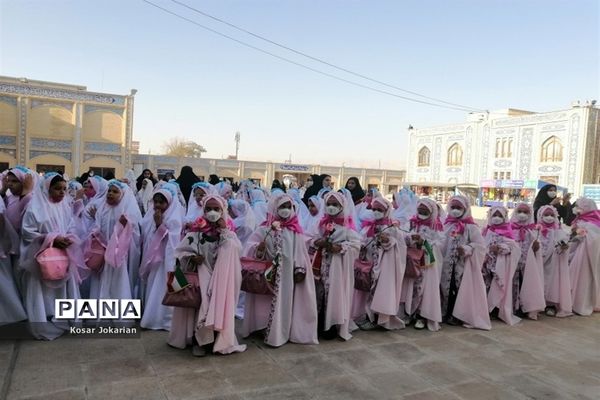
(577, 211)
(548, 219)
(522, 217)
(308, 184)
(284, 213)
(333, 210)
(378, 214)
(552, 194)
(497, 220)
(423, 216)
(213, 216)
(457, 213)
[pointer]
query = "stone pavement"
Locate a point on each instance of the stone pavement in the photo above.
(549, 359)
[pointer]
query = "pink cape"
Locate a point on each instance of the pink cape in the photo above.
(469, 306)
(390, 268)
(224, 290)
(585, 272)
(557, 281)
(501, 289)
(117, 248)
(532, 288)
(295, 312)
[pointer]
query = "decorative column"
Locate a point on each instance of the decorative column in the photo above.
(128, 128)
(241, 170)
(22, 106)
(78, 123)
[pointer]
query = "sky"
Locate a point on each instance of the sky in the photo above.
(536, 55)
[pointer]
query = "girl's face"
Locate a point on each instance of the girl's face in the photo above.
(327, 182)
(212, 205)
(497, 214)
(14, 184)
(312, 208)
(423, 210)
(113, 196)
(333, 202)
(160, 202)
(378, 207)
(147, 174)
(548, 213)
(351, 185)
(58, 191)
(88, 189)
(199, 195)
(286, 205)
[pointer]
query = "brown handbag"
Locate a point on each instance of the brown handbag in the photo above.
(183, 289)
(415, 259)
(253, 276)
(362, 275)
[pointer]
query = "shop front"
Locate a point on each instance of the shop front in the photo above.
(509, 193)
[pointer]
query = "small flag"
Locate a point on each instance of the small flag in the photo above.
(177, 281)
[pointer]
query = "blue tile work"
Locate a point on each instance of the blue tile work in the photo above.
(9, 100)
(90, 156)
(61, 94)
(8, 140)
(42, 103)
(35, 153)
(91, 108)
(103, 147)
(51, 143)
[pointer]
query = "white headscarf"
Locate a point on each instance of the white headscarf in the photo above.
(131, 180)
(195, 211)
(311, 223)
(243, 218)
(405, 205)
(258, 202)
(108, 215)
(144, 195)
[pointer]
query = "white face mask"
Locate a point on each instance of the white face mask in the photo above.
(284, 213)
(497, 220)
(522, 217)
(552, 194)
(548, 219)
(576, 210)
(378, 214)
(309, 184)
(457, 213)
(213, 216)
(333, 210)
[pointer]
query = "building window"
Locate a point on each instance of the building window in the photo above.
(552, 150)
(504, 147)
(502, 175)
(103, 172)
(43, 168)
(424, 157)
(455, 155)
(550, 179)
(392, 188)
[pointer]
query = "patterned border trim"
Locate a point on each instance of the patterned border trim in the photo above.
(51, 144)
(35, 153)
(485, 152)
(9, 100)
(8, 140)
(526, 152)
(44, 103)
(87, 157)
(88, 108)
(28, 90)
(104, 147)
(573, 143)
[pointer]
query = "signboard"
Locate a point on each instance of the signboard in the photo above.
(592, 192)
(512, 184)
(295, 168)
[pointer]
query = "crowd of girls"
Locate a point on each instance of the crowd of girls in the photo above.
(339, 260)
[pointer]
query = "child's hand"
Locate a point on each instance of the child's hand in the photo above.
(535, 246)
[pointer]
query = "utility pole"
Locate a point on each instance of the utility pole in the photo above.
(237, 145)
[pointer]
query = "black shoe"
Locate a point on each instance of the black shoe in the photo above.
(330, 334)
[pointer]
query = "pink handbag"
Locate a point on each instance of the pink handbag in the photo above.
(415, 260)
(253, 276)
(362, 275)
(183, 289)
(54, 263)
(94, 255)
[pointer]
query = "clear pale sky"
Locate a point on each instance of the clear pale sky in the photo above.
(536, 55)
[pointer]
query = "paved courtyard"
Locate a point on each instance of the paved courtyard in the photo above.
(548, 359)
